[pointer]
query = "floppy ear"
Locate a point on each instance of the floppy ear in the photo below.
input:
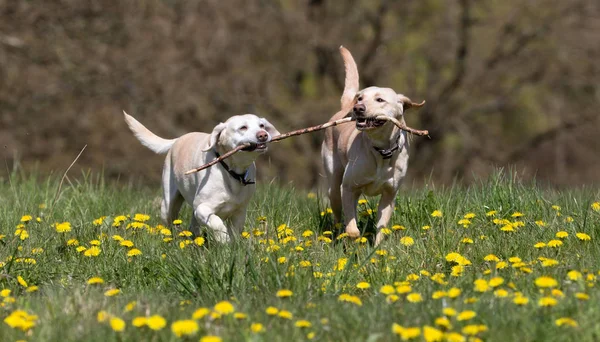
(273, 132)
(407, 103)
(214, 136)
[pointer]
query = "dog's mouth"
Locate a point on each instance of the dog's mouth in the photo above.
(259, 147)
(363, 124)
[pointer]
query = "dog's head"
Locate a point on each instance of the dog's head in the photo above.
(374, 101)
(242, 129)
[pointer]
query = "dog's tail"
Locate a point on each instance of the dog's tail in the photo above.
(351, 83)
(147, 138)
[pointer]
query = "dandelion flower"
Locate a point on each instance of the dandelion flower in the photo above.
(436, 213)
(363, 285)
(350, 299)
(406, 334)
(431, 334)
(26, 218)
(64, 227)
(303, 324)
(134, 252)
(112, 292)
(284, 293)
(582, 296)
(546, 282)
(407, 241)
(596, 206)
(186, 327)
(21, 281)
(127, 243)
(285, 314)
(387, 289)
(540, 245)
(95, 280)
(466, 315)
(5, 293)
(271, 311)
(583, 237)
(414, 297)
(257, 328)
(555, 243)
(92, 251)
(547, 301)
(139, 322)
(566, 321)
(117, 324)
(224, 307)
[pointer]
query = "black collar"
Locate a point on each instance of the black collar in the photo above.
(388, 153)
(240, 178)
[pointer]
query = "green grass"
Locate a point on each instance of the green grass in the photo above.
(174, 282)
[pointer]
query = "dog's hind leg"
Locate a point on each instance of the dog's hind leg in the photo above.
(334, 172)
(172, 198)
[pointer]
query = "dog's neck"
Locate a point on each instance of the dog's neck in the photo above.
(239, 162)
(385, 137)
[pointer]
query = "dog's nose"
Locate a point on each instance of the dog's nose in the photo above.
(359, 108)
(262, 136)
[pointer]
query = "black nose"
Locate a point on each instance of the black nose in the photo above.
(262, 136)
(359, 108)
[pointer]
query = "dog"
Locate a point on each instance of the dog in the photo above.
(216, 194)
(370, 157)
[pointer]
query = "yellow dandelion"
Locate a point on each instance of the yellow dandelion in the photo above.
(95, 280)
(437, 213)
(407, 241)
(303, 324)
(272, 311)
(117, 324)
(546, 282)
(547, 301)
(134, 252)
(387, 289)
(431, 334)
(224, 307)
(112, 292)
(284, 293)
(257, 328)
(466, 315)
(21, 281)
(414, 297)
(285, 314)
(363, 285)
(186, 327)
(583, 237)
(566, 321)
(555, 243)
(139, 322)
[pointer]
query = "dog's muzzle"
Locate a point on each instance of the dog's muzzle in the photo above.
(366, 123)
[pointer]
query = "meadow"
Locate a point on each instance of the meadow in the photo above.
(500, 260)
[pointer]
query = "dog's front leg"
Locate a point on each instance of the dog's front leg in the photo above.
(384, 213)
(238, 221)
(349, 202)
(207, 216)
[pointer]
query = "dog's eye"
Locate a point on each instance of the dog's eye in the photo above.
(379, 99)
(359, 98)
(262, 126)
(243, 128)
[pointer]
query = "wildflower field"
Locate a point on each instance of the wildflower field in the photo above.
(496, 261)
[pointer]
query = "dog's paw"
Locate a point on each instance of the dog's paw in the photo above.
(353, 232)
(379, 238)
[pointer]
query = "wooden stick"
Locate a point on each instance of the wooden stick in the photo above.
(311, 129)
(280, 137)
(224, 156)
(403, 126)
(274, 139)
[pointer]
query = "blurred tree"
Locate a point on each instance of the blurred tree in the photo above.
(506, 82)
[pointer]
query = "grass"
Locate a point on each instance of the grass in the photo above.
(319, 269)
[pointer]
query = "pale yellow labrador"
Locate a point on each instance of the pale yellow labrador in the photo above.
(369, 157)
(221, 192)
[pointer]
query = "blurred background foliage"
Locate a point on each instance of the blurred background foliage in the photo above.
(507, 82)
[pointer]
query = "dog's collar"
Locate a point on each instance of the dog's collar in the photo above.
(389, 152)
(239, 177)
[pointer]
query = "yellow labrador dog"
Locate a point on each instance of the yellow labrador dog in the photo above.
(369, 158)
(221, 192)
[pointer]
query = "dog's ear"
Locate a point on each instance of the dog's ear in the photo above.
(407, 103)
(273, 132)
(214, 136)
